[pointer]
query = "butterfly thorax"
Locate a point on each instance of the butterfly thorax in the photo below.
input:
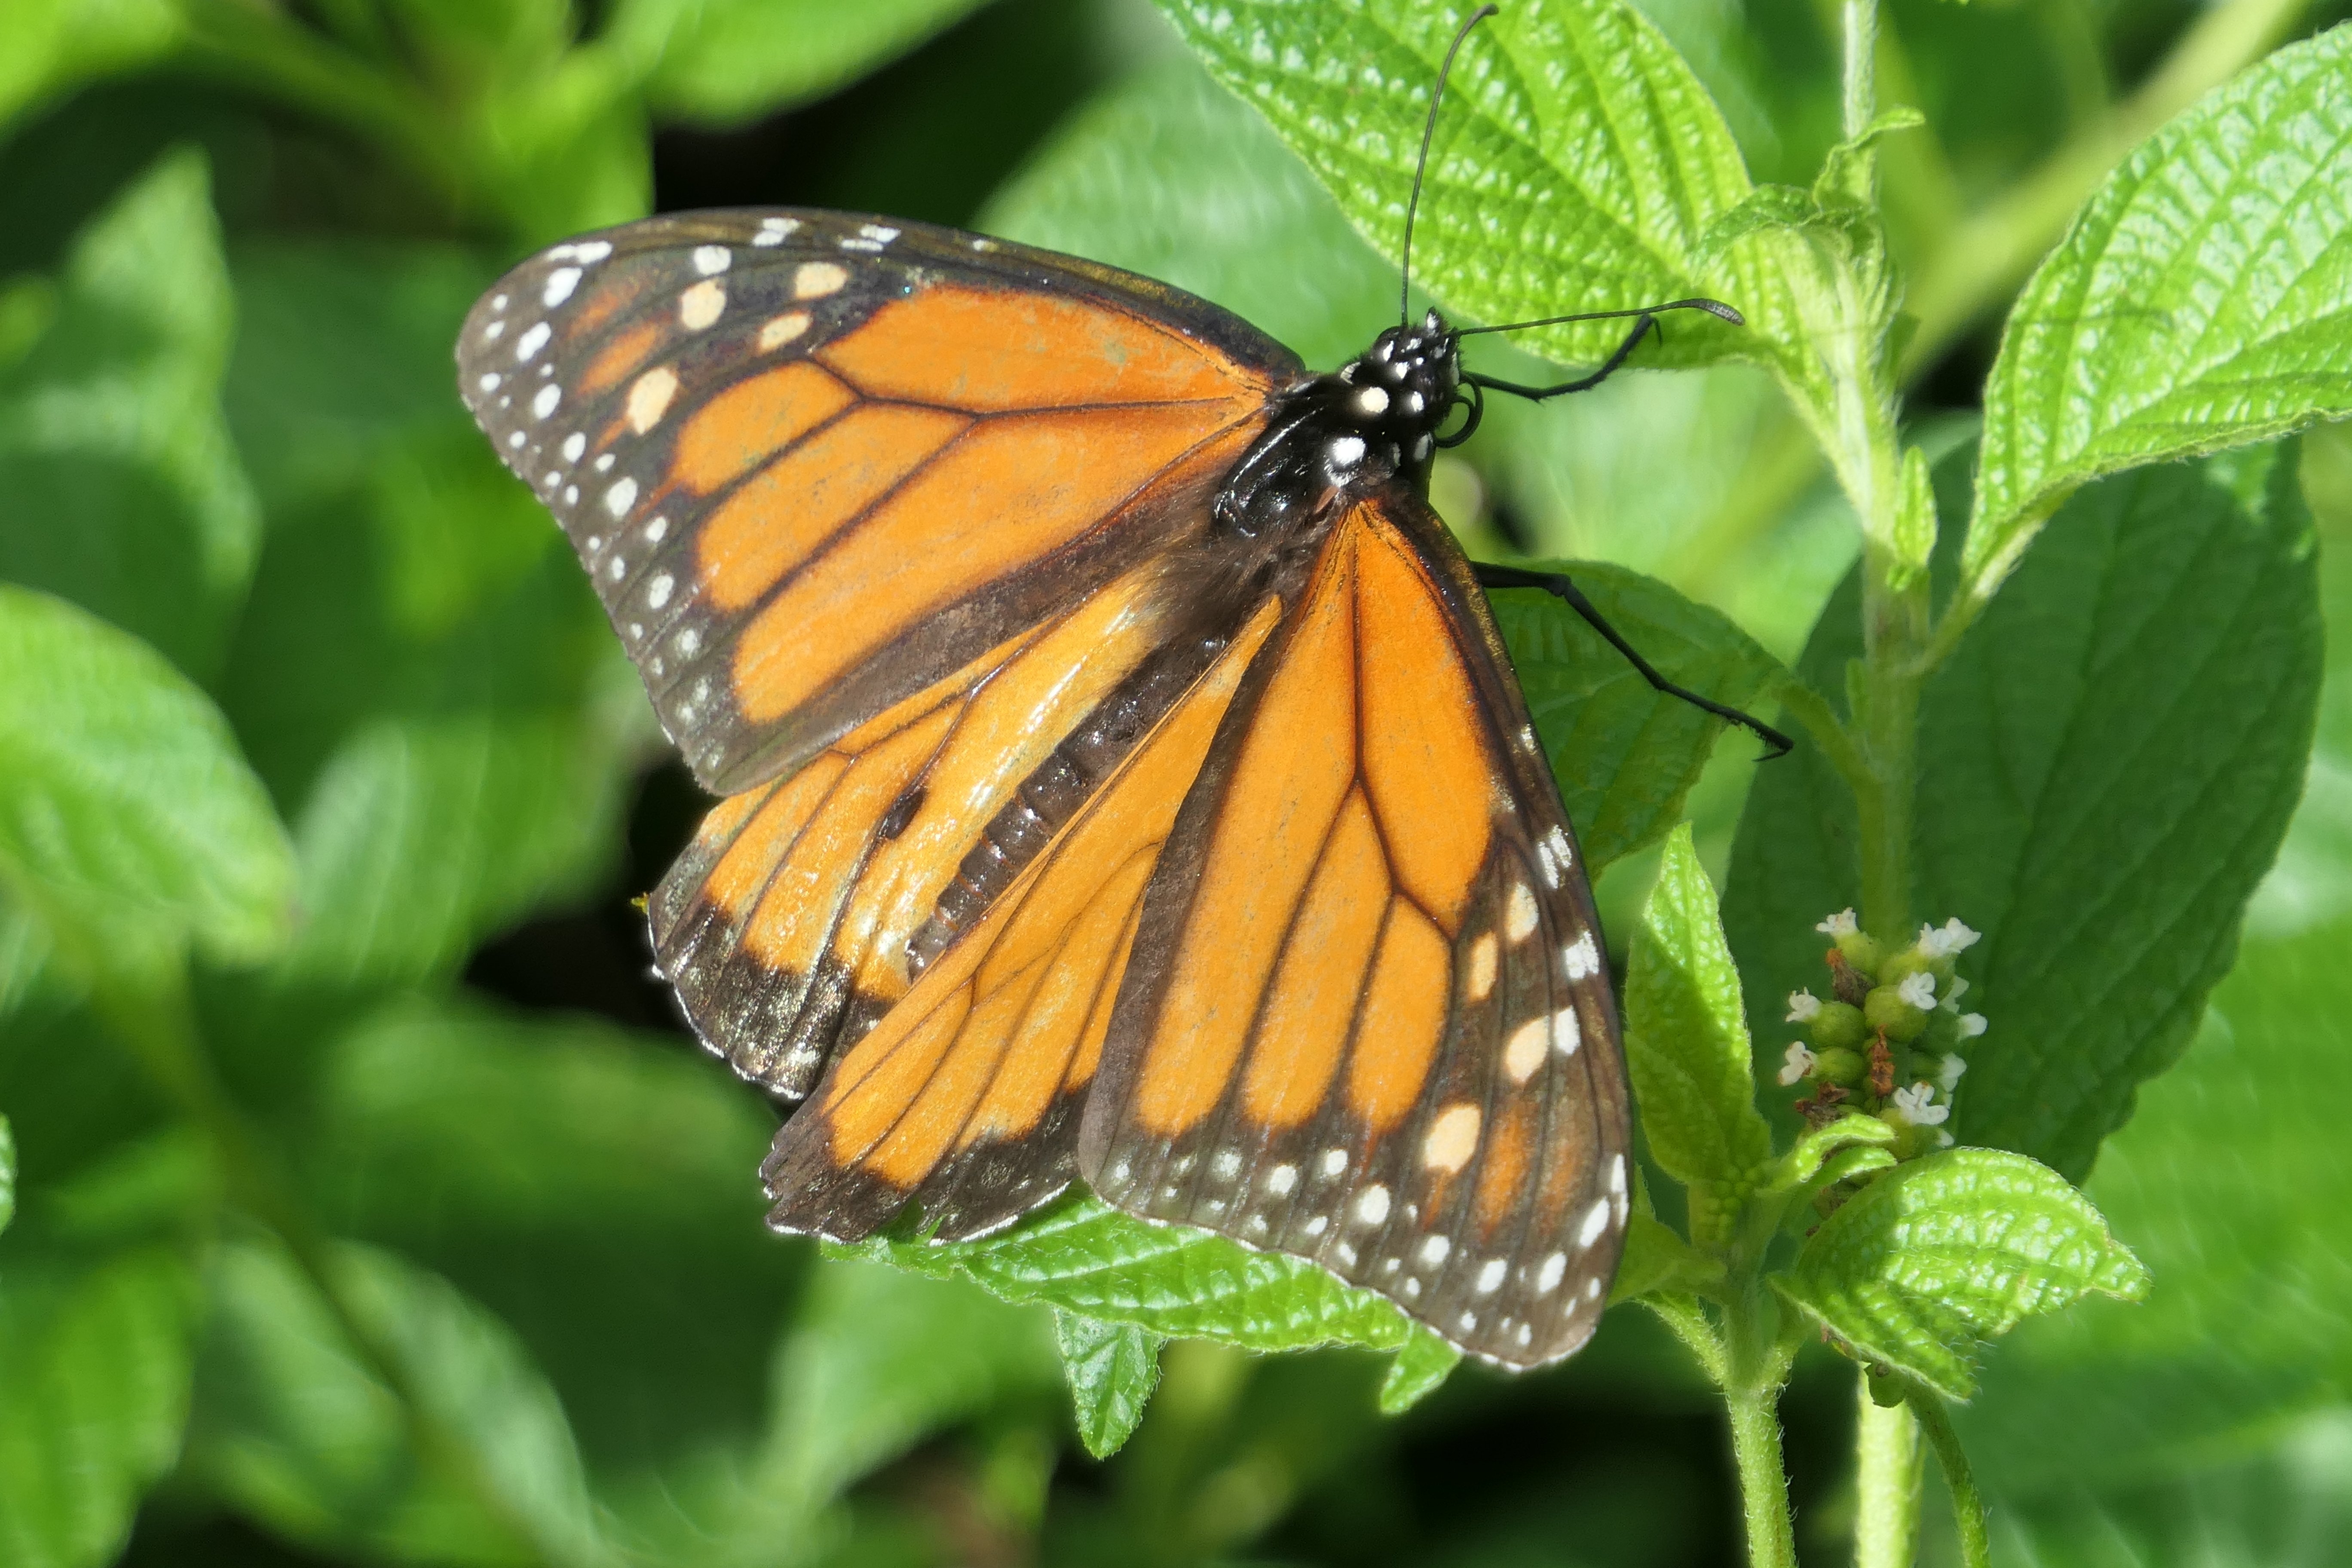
(1375, 416)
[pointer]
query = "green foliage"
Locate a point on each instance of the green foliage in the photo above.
(2106, 765)
(1616, 161)
(119, 488)
(1932, 1258)
(2197, 303)
(1627, 755)
(1685, 1036)
(127, 818)
(1112, 1368)
(303, 705)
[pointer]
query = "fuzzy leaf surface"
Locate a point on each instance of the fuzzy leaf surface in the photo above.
(1578, 163)
(1941, 1254)
(2202, 300)
(1112, 1368)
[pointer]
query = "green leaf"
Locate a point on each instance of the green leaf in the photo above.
(126, 814)
(1940, 1254)
(1817, 1146)
(1658, 1261)
(1084, 1257)
(2201, 300)
(1168, 176)
(94, 1372)
(54, 46)
(7, 1172)
(1577, 165)
(1626, 753)
(504, 1152)
(2229, 1181)
(1686, 1036)
(880, 1361)
(1420, 1369)
(2106, 765)
(422, 674)
(113, 421)
(721, 62)
(296, 1432)
(1112, 1368)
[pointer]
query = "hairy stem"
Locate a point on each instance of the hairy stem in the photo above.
(1887, 1476)
(1968, 1504)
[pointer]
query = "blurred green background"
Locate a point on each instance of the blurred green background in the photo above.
(235, 240)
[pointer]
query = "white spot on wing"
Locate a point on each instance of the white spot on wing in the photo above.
(1452, 1138)
(710, 260)
(657, 591)
(1581, 958)
(816, 279)
(574, 444)
(1372, 1205)
(1519, 913)
(702, 304)
(560, 284)
(531, 341)
(1334, 1162)
(1490, 1275)
(543, 402)
(1525, 1052)
(649, 397)
(1483, 955)
(1567, 1031)
(1596, 1220)
(620, 497)
(1433, 1251)
(1281, 1179)
(1549, 1276)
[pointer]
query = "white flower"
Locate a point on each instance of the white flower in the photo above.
(1838, 924)
(1916, 1105)
(1943, 943)
(1799, 1063)
(1803, 1007)
(1920, 990)
(1971, 1025)
(1943, 1139)
(1953, 993)
(1948, 1075)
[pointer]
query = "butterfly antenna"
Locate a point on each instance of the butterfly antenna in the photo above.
(1715, 308)
(1421, 165)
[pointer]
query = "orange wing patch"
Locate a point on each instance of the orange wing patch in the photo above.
(1360, 1036)
(994, 1046)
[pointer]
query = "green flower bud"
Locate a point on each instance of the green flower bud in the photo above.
(1885, 1008)
(1862, 950)
(1901, 966)
(1838, 1025)
(1840, 1066)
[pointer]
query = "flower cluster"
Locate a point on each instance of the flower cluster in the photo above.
(1886, 1039)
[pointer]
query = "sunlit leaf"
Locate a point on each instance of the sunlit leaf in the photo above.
(722, 61)
(2200, 301)
(1940, 1254)
(1577, 165)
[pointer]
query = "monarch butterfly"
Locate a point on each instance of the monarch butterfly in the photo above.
(1121, 775)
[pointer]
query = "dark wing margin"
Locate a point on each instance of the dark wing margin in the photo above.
(1368, 1020)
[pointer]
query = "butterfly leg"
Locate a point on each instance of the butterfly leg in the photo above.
(1643, 326)
(1558, 584)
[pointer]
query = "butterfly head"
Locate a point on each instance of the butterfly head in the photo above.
(1398, 393)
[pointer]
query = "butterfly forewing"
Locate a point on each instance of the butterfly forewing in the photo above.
(883, 514)
(1356, 1024)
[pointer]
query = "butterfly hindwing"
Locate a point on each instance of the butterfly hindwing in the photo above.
(1367, 1020)
(965, 1099)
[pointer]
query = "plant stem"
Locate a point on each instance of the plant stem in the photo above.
(1968, 1504)
(1763, 1477)
(1887, 1475)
